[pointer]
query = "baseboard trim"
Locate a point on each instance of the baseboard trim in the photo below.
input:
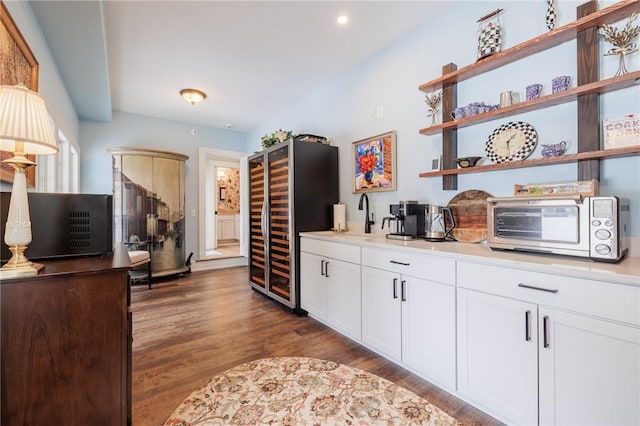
(206, 265)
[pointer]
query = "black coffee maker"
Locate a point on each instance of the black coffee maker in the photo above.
(407, 220)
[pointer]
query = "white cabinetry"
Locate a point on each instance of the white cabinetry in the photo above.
(496, 362)
(227, 227)
(564, 347)
(408, 311)
(330, 284)
(589, 371)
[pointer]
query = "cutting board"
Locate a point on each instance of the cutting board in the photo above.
(469, 210)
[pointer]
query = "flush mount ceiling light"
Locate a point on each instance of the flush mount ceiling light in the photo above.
(342, 19)
(193, 96)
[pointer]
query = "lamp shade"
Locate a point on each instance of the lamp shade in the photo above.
(24, 118)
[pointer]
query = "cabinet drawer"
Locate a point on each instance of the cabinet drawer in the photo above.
(598, 298)
(431, 268)
(346, 252)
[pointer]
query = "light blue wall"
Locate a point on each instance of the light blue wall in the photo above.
(341, 110)
(139, 131)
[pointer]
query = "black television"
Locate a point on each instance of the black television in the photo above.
(64, 225)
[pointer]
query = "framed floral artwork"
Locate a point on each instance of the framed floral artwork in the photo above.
(17, 65)
(374, 163)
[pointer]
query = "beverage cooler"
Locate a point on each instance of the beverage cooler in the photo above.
(292, 188)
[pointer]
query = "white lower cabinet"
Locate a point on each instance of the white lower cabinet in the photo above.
(524, 358)
(407, 319)
(497, 364)
(589, 371)
(330, 288)
(526, 347)
(381, 312)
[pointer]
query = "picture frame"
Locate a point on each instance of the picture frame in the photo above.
(17, 65)
(436, 163)
(222, 195)
(373, 163)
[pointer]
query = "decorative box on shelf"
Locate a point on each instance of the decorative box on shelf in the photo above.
(312, 138)
(585, 188)
(622, 131)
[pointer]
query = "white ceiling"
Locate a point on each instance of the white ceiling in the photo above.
(252, 58)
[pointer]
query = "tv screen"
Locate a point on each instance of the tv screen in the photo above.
(64, 225)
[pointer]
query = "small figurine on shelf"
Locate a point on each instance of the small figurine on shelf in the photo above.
(550, 15)
(489, 34)
(622, 41)
(433, 102)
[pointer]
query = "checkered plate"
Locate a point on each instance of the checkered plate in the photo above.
(531, 140)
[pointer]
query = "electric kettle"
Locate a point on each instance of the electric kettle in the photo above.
(435, 222)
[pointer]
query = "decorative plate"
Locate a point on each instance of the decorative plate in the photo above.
(511, 142)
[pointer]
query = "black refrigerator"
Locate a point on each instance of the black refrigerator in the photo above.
(293, 186)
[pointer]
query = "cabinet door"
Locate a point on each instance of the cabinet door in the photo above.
(343, 297)
(589, 370)
(381, 317)
(497, 356)
(428, 329)
(313, 286)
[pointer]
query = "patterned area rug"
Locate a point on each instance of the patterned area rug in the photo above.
(304, 391)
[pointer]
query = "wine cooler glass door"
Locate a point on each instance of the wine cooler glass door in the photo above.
(258, 223)
(279, 225)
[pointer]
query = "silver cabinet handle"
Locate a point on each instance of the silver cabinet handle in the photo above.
(545, 331)
(322, 267)
(532, 287)
(403, 294)
(326, 268)
(527, 326)
(399, 263)
(395, 288)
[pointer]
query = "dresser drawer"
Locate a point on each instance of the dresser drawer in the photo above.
(598, 298)
(346, 252)
(433, 268)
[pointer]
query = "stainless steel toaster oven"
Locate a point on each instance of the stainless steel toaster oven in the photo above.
(592, 227)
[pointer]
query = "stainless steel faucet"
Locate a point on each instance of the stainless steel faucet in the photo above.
(367, 222)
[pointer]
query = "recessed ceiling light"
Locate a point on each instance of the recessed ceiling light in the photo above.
(342, 19)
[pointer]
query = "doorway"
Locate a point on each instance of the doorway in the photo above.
(222, 205)
(223, 236)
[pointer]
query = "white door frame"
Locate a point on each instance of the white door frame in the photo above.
(237, 159)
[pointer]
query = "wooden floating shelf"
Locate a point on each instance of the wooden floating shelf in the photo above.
(603, 86)
(552, 38)
(568, 158)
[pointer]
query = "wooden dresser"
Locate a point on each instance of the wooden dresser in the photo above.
(66, 345)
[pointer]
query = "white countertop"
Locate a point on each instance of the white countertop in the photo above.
(625, 272)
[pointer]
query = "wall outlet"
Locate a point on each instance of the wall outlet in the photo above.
(193, 212)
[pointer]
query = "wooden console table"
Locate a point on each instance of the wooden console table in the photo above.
(66, 344)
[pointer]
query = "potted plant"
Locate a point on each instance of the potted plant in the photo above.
(276, 137)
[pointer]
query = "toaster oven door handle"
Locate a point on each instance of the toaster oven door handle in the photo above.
(532, 287)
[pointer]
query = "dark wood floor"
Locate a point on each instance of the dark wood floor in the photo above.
(189, 329)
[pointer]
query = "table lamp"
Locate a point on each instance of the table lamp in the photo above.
(25, 128)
